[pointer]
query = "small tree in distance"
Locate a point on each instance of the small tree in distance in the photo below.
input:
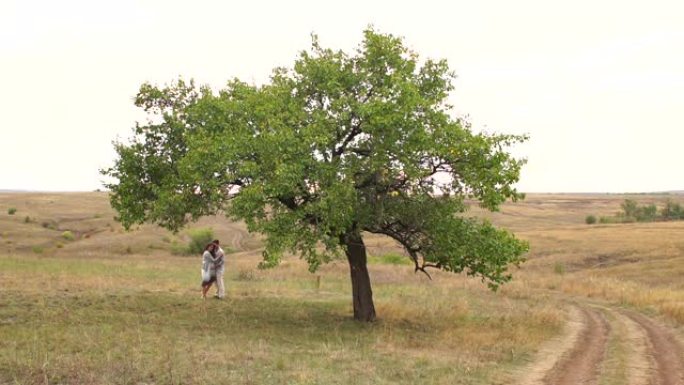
(672, 211)
(338, 146)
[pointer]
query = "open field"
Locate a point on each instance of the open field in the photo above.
(110, 306)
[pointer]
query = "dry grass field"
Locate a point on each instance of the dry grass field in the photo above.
(99, 305)
(633, 264)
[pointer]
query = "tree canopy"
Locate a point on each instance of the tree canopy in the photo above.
(337, 146)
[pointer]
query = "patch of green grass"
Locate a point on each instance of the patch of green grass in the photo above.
(37, 249)
(559, 268)
(11, 210)
(68, 236)
(389, 259)
(615, 368)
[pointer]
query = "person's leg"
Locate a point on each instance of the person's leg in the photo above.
(204, 284)
(220, 289)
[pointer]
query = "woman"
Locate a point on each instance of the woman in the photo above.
(209, 259)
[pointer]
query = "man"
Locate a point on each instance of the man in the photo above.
(220, 266)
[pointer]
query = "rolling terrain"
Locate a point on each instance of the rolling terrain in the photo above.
(83, 301)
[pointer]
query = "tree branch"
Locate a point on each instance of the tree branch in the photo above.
(353, 133)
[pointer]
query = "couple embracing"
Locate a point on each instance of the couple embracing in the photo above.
(213, 267)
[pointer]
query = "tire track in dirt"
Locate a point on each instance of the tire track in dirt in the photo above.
(639, 364)
(581, 365)
(628, 359)
(665, 350)
(237, 238)
(552, 351)
(602, 343)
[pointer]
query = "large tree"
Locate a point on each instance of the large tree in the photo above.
(338, 146)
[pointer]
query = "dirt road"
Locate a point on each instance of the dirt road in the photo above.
(607, 345)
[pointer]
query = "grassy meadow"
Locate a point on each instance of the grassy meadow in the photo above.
(106, 306)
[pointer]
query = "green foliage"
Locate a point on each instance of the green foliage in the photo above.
(11, 210)
(590, 219)
(632, 212)
(68, 236)
(336, 145)
(27, 219)
(37, 249)
(630, 209)
(198, 240)
(647, 213)
(672, 211)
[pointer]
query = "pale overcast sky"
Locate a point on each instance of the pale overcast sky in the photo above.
(598, 85)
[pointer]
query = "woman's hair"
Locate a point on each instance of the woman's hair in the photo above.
(209, 246)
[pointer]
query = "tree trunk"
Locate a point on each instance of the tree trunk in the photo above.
(362, 295)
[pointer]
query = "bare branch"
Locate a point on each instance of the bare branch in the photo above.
(353, 133)
(422, 268)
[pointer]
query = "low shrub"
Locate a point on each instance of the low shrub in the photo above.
(68, 236)
(11, 210)
(37, 249)
(632, 212)
(198, 239)
(49, 225)
(590, 219)
(672, 211)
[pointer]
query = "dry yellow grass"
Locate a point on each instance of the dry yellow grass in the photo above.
(117, 307)
(137, 304)
(636, 264)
